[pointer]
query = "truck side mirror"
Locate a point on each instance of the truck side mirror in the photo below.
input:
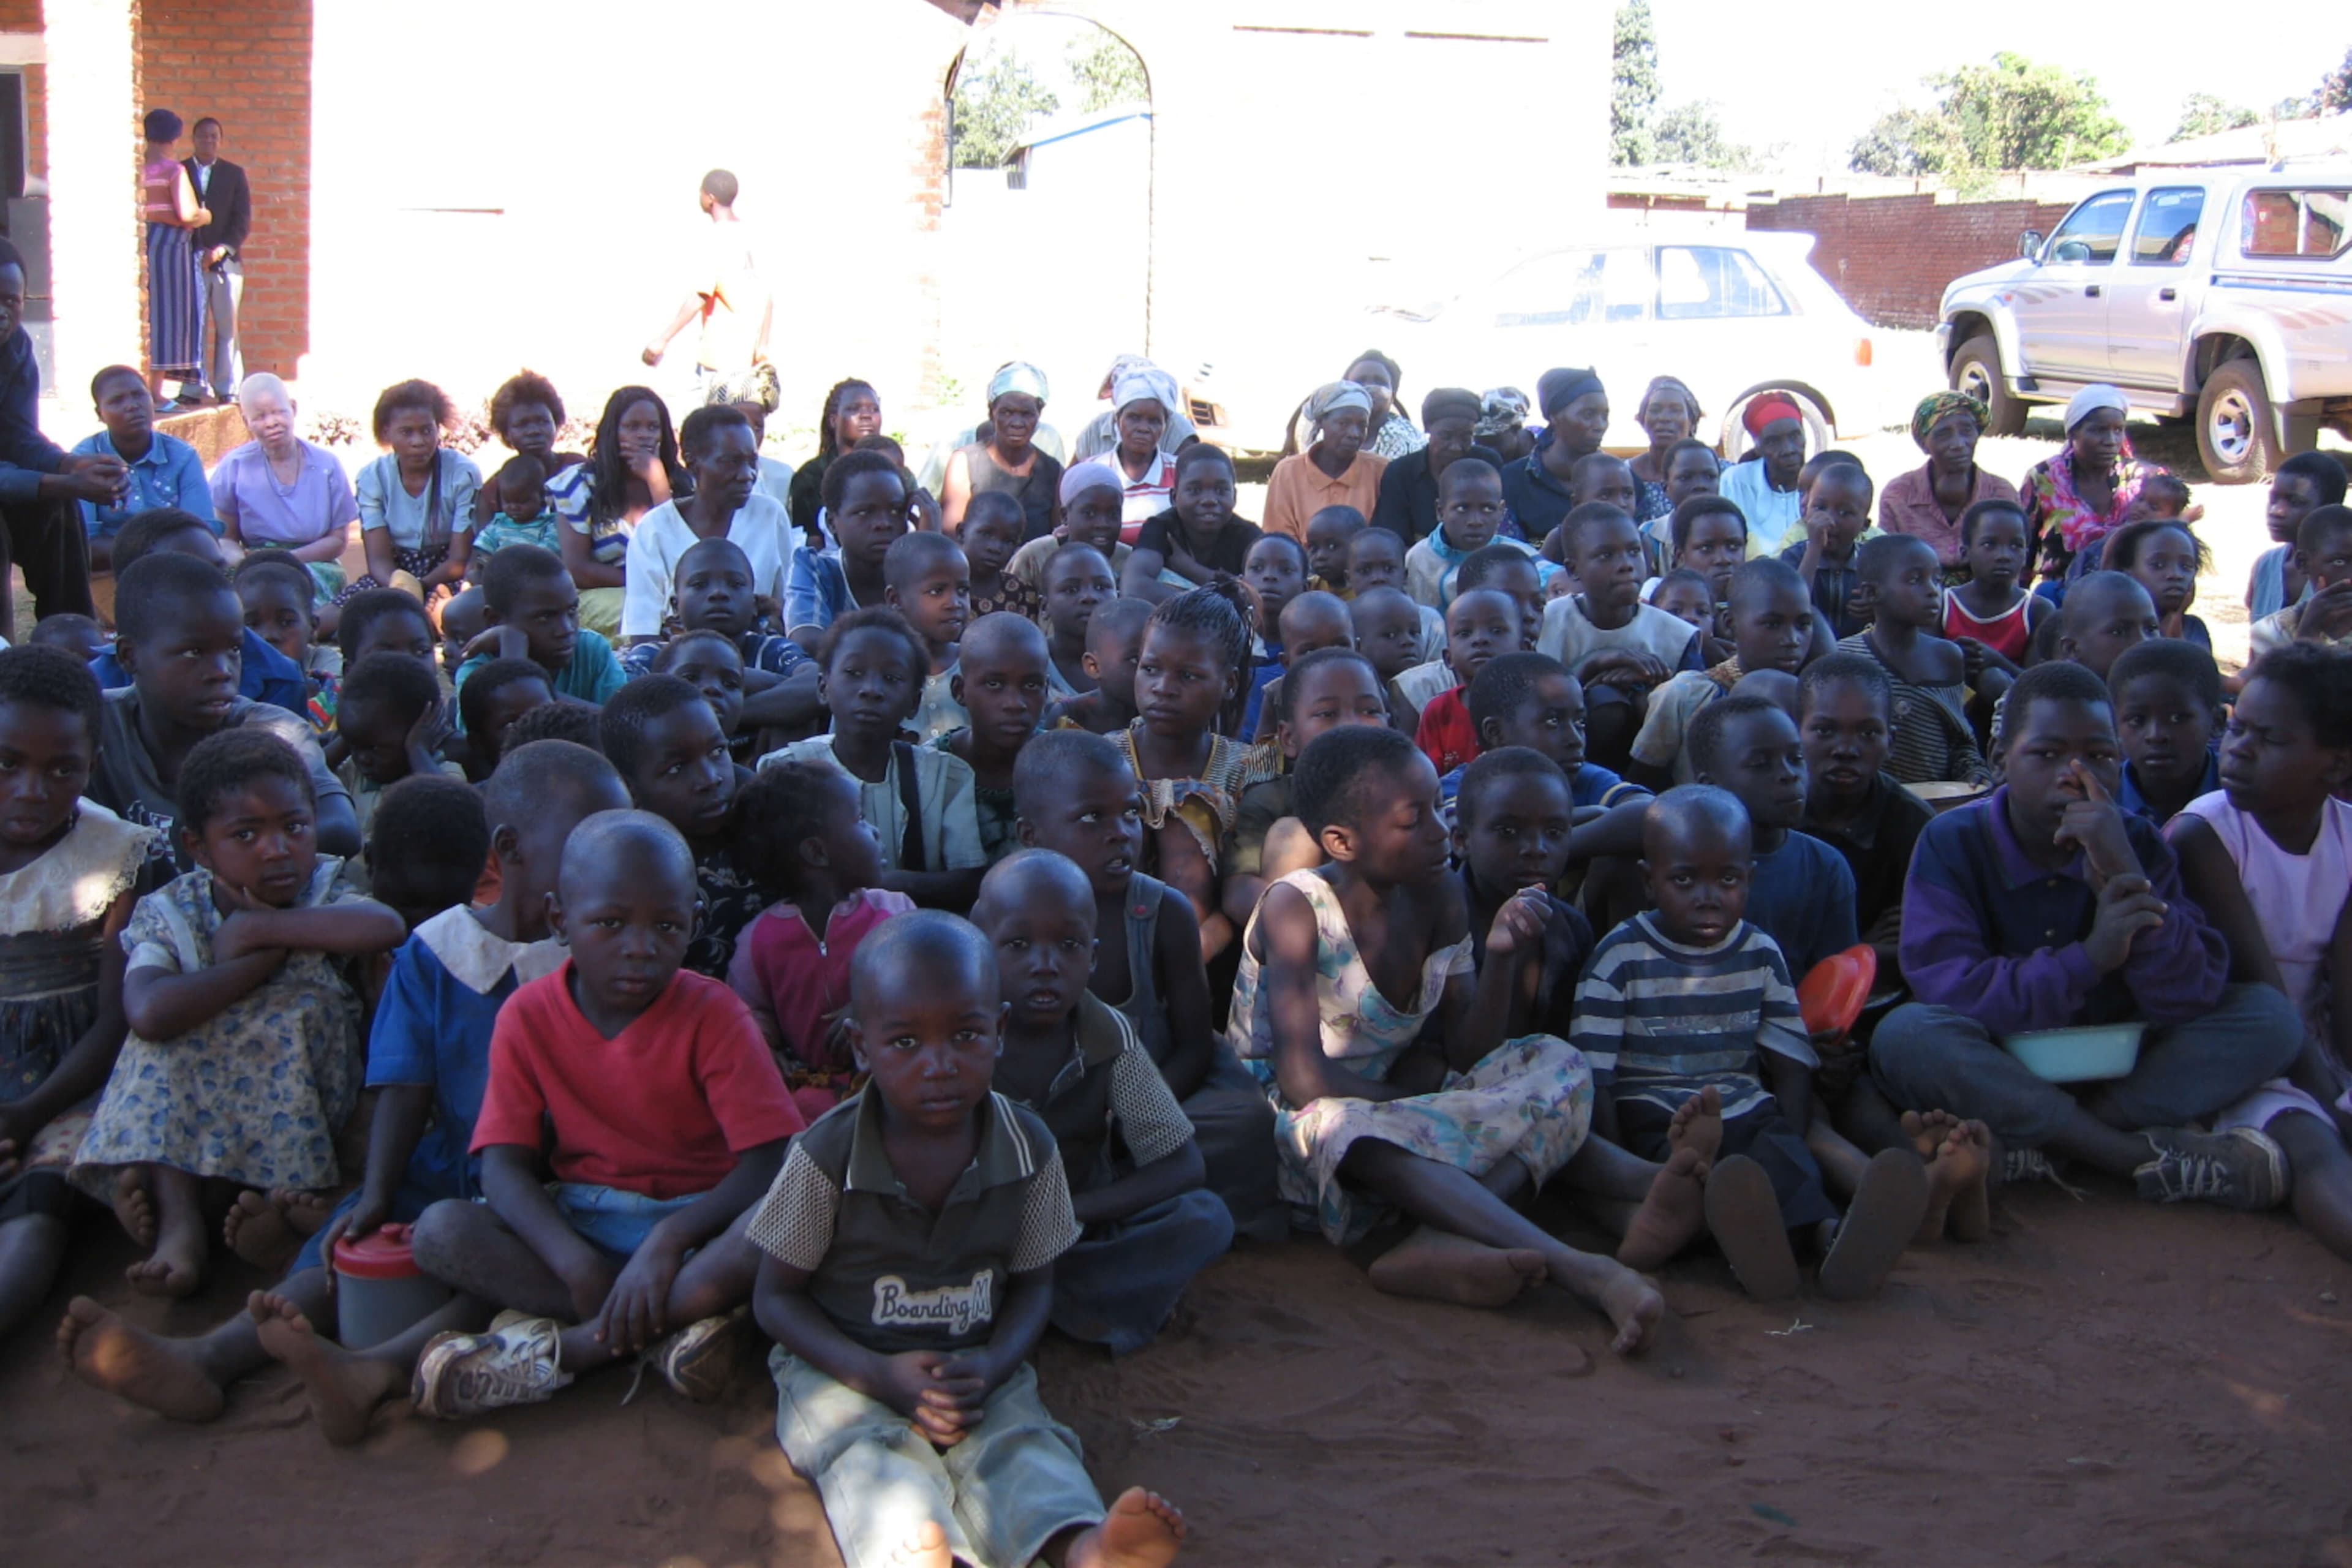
(2070, 251)
(2029, 245)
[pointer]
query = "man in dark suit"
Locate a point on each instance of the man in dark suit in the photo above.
(40, 527)
(220, 244)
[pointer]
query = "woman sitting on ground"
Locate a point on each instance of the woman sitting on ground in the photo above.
(632, 468)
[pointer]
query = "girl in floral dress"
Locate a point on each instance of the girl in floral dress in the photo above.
(244, 1055)
(1383, 1053)
(66, 870)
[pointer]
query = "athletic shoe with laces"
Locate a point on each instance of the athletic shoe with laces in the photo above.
(2027, 1165)
(514, 1362)
(2240, 1169)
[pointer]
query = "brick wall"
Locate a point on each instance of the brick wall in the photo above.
(1890, 257)
(251, 68)
(25, 16)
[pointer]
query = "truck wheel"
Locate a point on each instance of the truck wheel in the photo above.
(1976, 370)
(2237, 434)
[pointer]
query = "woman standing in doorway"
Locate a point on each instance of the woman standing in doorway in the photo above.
(174, 288)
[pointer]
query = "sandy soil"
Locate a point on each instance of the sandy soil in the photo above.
(2103, 1382)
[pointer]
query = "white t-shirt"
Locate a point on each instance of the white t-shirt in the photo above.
(762, 530)
(1771, 513)
(1570, 635)
(735, 298)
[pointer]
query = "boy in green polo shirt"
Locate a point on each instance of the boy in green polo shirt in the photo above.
(909, 1244)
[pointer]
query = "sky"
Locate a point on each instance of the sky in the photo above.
(1814, 79)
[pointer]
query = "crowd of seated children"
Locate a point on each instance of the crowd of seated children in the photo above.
(2304, 483)
(1221, 886)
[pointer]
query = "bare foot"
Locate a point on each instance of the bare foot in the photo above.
(256, 1230)
(927, 1548)
(1143, 1530)
(1698, 1124)
(132, 1363)
(1878, 1225)
(1439, 1266)
(1674, 1209)
(1744, 1219)
(345, 1389)
(1966, 1159)
(305, 1212)
(1634, 1309)
(134, 1206)
(176, 1267)
(1927, 1130)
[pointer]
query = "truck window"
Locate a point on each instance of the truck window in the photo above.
(2293, 222)
(2093, 232)
(1711, 283)
(2167, 227)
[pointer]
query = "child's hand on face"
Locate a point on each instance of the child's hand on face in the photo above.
(2094, 825)
(1519, 924)
(432, 728)
(2328, 613)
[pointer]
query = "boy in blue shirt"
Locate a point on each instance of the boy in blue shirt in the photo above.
(429, 1056)
(165, 471)
(1801, 891)
(264, 675)
(532, 608)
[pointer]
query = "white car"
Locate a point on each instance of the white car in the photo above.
(2222, 294)
(1730, 312)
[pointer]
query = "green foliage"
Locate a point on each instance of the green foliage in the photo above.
(2008, 114)
(2334, 95)
(2202, 114)
(1634, 87)
(992, 108)
(1690, 133)
(1107, 72)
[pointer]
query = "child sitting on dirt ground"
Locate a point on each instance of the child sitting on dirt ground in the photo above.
(1691, 999)
(1394, 1089)
(1077, 1061)
(910, 1243)
(661, 1117)
(245, 1033)
(428, 1058)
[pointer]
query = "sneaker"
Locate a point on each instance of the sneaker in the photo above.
(465, 1374)
(2240, 1169)
(699, 1361)
(2027, 1165)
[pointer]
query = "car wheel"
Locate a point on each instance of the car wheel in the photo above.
(1976, 371)
(1735, 439)
(2237, 434)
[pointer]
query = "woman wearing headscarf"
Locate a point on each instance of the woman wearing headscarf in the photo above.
(1334, 470)
(1669, 413)
(1765, 486)
(1101, 433)
(1007, 459)
(1392, 435)
(1576, 418)
(1408, 504)
(1927, 502)
(754, 394)
(1502, 423)
(2078, 495)
(175, 301)
(1140, 403)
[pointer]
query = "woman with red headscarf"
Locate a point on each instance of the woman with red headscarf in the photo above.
(1765, 485)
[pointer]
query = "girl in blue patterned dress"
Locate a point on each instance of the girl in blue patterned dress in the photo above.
(67, 868)
(242, 1060)
(1353, 977)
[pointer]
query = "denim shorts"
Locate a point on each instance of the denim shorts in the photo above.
(612, 1221)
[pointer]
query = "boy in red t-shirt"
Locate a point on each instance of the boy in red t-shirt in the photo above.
(1481, 625)
(649, 1096)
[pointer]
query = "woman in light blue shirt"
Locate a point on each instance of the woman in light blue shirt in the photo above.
(416, 501)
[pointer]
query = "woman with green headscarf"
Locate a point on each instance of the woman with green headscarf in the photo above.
(1927, 503)
(1006, 459)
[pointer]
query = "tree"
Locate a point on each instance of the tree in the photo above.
(2008, 114)
(1107, 73)
(2202, 114)
(990, 110)
(1690, 133)
(1633, 87)
(2334, 95)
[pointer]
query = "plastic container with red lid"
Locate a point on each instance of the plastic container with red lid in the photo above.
(379, 1289)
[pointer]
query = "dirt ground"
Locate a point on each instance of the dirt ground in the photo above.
(2102, 1383)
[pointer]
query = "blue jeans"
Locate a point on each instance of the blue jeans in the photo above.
(1931, 1058)
(612, 1221)
(1117, 1285)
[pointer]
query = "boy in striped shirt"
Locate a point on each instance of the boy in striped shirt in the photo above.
(1690, 1002)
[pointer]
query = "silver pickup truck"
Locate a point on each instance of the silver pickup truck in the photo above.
(2221, 295)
